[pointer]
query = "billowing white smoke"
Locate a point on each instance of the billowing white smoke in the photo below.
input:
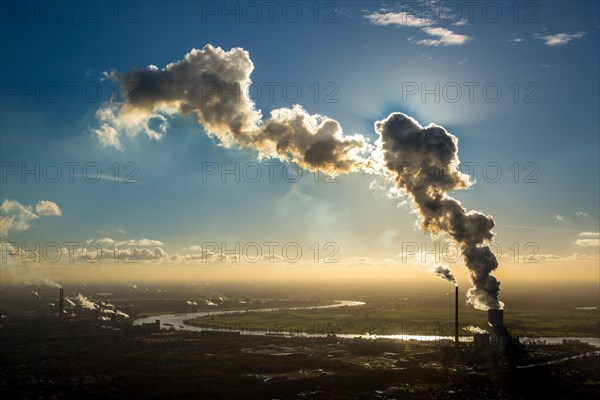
(212, 84)
(424, 162)
(445, 274)
(474, 329)
(22, 273)
(86, 303)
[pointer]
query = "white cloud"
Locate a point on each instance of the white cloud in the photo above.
(131, 254)
(516, 40)
(560, 39)
(146, 242)
(147, 254)
(398, 19)
(461, 22)
(445, 37)
(6, 224)
(559, 217)
(588, 242)
(580, 213)
(47, 208)
(590, 234)
(131, 242)
(16, 216)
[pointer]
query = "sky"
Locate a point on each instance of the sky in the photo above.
(516, 84)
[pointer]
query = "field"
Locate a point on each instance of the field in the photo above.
(388, 319)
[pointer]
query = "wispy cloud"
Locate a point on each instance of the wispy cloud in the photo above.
(588, 242)
(580, 213)
(398, 19)
(590, 234)
(461, 22)
(592, 239)
(444, 37)
(560, 39)
(558, 217)
(133, 242)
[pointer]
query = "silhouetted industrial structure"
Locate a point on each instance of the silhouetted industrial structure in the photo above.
(61, 302)
(456, 317)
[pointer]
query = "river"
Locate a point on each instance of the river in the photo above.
(177, 321)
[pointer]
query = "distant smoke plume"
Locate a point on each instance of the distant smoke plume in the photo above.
(22, 273)
(474, 329)
(213, 85)
(86, 303)
(424, 162)
(445, 274)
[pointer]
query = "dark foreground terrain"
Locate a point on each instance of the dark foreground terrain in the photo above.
(188, 365)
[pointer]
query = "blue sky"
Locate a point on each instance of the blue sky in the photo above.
(367, 68)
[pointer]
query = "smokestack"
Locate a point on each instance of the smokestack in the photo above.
(456, 316)
(61, 302)
(496, 317)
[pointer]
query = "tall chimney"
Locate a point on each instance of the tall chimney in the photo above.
(61, 302)
(456, 316)
(496, 317)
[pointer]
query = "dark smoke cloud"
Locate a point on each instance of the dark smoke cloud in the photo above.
(445, 274)
(424, 162)
(213, 84)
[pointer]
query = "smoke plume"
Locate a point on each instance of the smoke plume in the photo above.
(445, 274)
(213, 86)
(474, 329)
(86, 303)
(424, 162)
